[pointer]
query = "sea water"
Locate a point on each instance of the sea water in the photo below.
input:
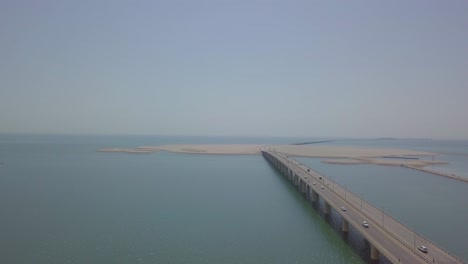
(62, 201)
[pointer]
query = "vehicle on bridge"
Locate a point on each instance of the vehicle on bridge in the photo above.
(365, 224)
(321, 186)
(313, 183)
(343, 208)
(422, 249)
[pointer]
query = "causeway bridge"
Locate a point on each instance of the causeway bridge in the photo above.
(386, 236)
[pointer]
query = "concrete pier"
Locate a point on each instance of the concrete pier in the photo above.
(345, 226)
(308, 192)
(374, 252)
(326, 208)
(314, 196)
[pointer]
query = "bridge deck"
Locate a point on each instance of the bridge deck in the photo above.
(393, 239)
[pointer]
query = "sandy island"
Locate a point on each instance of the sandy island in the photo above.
(332, 154)
(215, 149)
(336, 154)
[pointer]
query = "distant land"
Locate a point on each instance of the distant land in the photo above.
(340, 155)
(390, 138)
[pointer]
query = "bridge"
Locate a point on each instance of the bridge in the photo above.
(386, 236)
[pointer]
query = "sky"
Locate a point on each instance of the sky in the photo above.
(235, 68)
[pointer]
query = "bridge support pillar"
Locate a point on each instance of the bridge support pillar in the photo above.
(326, 208)
(345, 226)
(374, 252)
(314, 196)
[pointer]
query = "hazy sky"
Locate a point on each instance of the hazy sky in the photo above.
(247, 68)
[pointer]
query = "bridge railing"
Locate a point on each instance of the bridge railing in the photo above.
(403, 236)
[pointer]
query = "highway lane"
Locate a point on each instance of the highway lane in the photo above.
(392, 236)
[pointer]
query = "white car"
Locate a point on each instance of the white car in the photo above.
(313, 183)
(422, 249)
(365, 224)
(343, 208)
(321, 186)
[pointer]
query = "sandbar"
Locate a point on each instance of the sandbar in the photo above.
(344, 155)
(376, 161)
(345, 152)
(126, 150)
(214, 149)
(359, 154)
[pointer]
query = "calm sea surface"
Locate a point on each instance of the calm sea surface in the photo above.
(64, 202)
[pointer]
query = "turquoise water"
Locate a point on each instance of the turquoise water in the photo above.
(64, 202)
